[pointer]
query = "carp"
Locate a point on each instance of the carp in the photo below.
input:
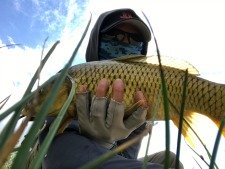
(203, 96)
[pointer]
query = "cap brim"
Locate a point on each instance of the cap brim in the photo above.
(141, 26)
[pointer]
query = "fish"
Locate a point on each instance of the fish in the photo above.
(142, 73)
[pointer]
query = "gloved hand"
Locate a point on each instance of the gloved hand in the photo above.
(103, 121)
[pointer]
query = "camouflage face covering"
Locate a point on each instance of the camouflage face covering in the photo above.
(110, 49)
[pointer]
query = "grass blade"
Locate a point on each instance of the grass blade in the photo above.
(181, 119)
(98, 161)
(144, 164)
(16, 108)
(8, 141)
(9, 45)
(165, 99)
(31, 84)
(53, 129)
(4, 101)
(37, 73)
(184, 120)
(216, 145)
(29, 140)
(11, 142)
(38, 122)
(10, 125)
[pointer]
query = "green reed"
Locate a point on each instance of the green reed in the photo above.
(19, 157)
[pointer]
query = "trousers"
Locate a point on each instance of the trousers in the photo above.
(71, 150)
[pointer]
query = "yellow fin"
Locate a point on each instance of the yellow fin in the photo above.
(173, 62)
(131, 58)
(165, 61)
(185, 130)
(218, 123)
(205, 128)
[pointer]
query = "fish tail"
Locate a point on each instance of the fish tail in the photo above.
(194, 128)
(218, 124)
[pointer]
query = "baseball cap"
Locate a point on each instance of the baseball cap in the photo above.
(128, 16)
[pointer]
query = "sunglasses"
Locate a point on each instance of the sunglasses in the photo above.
(120, 35)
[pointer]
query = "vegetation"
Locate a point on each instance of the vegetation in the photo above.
(19, 158)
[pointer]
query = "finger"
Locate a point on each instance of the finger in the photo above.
(116, 108)
(136, 119)
(99, 103)
(98, 112)
(82, 88)
(115, 114)
(140, 99)
(102, 88)
(118, 90)
(82, 106)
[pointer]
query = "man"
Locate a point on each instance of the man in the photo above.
(116, 33)
(109, 28)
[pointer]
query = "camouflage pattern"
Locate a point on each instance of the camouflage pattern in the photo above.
(112, 48)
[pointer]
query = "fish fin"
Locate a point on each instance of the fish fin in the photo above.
(218, 123)
(185, 130)
(165, 61)
(131, 58)
(173, 62)
(195, 124)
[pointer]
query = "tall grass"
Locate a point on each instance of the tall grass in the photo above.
(10, 136)
(11, 158)
(165, 99)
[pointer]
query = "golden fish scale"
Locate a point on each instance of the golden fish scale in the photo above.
(206, 97)
(203, 96)
(134, 77)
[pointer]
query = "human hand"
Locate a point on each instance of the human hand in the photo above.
(103, 119)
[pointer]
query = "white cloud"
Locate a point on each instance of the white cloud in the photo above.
(10, 39)
(192, 31)
(183, 30)
(17, 5)
(71, 11)
(19, 63)
(36, 2)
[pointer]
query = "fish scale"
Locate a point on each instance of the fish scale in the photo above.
(203, 96)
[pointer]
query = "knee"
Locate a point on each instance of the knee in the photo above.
(172, 161)
(159, 158)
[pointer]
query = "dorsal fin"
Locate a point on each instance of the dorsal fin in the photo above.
(165, 60)
(173, 62)
(132, 58)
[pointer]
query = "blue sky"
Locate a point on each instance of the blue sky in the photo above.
(188, 30)
(30, 22)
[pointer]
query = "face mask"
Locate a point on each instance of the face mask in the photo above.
(110, 49)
